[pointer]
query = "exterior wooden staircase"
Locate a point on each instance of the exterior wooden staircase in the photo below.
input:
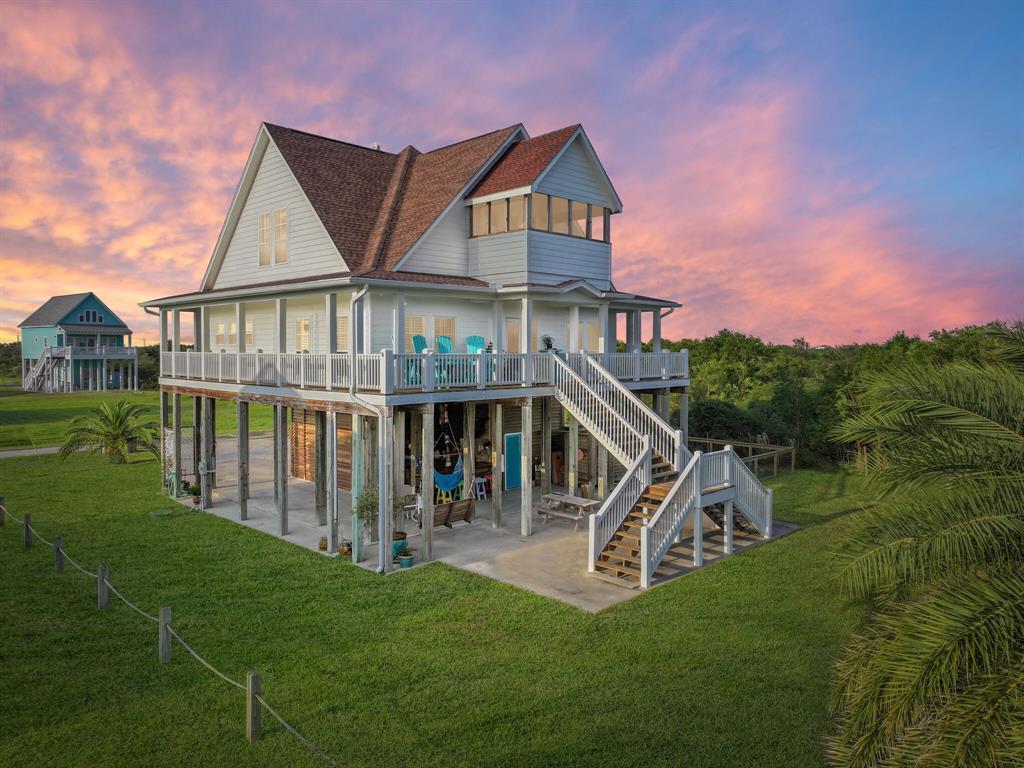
(620, 558)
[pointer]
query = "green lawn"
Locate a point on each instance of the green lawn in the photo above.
(32, 419)
(726, 667)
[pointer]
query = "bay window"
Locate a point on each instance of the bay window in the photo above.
(560, 215)
(578, 219)
(539, 214)
(480, 219)
(499, 216)
(517, 213)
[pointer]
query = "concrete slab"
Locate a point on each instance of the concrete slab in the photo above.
(552, 562)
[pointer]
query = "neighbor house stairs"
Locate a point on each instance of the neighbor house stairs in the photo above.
(665, 488)
(40, 374)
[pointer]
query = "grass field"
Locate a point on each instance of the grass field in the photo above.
(725, 667)
(33, 420)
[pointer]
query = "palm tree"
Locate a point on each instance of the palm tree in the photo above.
(109, 429)
(936, 678)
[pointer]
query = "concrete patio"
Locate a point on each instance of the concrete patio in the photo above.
(552, 562)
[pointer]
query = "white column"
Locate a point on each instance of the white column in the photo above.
(656, 331)
(239, 338)
(605, 342)
(385, 452)
(427, 485)
(332, 481)
(281, 335)
(498, 327)
(367, 325)
(398, 324)
(175, 338)
(200, 319)
(497, 463)
(526, 497)
(574, 328)
(637, 330)
(358, 483)
(331, 319)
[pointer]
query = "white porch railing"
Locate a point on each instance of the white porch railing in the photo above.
(680, 506)
(387, 372)
(645, 365)
(753, 499)
(607, 520)
(715, 469)
(665, 441)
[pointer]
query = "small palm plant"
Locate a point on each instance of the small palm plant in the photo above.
(110, 429)
(937, 676)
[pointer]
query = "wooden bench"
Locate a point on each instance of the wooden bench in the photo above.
(454, 512)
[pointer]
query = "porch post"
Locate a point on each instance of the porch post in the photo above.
(545, 438)
(320, 466)
(243, 460)
(469, 450)
(331, 480)
(727, 524)
(176, 430)
(197, 434)
(398, 465)
(592, 464)
(358, 485)
(385, 453)
(656, 331)
(602, 472)
(398, 325)
(427, 484)
(574, 328)
(526, 473)
(239, 338)
(212, 407)
(281, 335)
(209, 481)
(281, 465)
(684, 413)
(525, 336)
(497, 327)
(175, 340)
(572, 457)
(164, 416)
(497, 463)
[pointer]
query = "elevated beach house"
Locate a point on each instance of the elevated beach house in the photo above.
(441, 326)
(77, 342)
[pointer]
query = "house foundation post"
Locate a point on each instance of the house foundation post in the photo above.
(281, 466)
(398, 463)
(208, 480)
(320, 466)
(243, 460)
(211, 460)
(427, 486)
(468, 450)
(572, 457)
(176, 434)
(197, 435)
(358, 484)
(727, 525)
(684, 413)
(385, 454)
(330, 473)
(602, 472)
(545, 443)
(526, 473)
(497, 463)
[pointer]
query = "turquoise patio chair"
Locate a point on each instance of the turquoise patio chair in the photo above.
(475, 344)
(419, 344)
(444, 345)
(412, 367)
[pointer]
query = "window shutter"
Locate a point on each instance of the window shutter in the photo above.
(415, 325)
(342, 330)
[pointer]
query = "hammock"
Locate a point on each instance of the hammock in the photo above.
(448, 483)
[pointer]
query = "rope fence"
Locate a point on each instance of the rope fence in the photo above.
(252, 687)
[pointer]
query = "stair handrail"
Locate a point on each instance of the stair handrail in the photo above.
(753, 498)
(609, 518)
(624, 441)
(665, 440)
(678, 506)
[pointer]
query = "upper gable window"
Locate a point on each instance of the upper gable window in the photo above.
(578, 219)
(569, 217)
(539, 211)
(281, 236)
(272, 237)
(560, 215)
(499, 216)
(264, 239)
(516, 213)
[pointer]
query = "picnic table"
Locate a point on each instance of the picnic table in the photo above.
(567, 507)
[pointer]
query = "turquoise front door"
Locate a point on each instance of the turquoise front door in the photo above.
(513, 460)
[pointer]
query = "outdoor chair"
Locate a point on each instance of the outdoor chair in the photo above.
(413, 368)
(475, 344)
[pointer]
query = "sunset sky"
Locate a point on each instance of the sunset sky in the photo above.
(837, 171)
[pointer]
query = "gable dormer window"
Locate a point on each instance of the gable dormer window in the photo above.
(498, 216)
(272, 237)
(263, 227)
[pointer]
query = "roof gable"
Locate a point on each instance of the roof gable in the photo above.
(61, 310)
(523, 162)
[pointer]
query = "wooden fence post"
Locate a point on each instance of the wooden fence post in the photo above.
(58, 553)
(102, 592)
(165, 634)
(26, 525)
(253, 688)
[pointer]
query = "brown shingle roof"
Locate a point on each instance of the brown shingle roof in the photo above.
(375, 205)
(523, 162)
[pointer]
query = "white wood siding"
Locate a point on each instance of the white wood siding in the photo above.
(444, 250)
(472, 318)
(574, 176)
(498, 258)
(310, 251)
(261, 314)
(555, 258)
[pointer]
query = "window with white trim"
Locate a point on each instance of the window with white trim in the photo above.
(303, 334)
(281, 236)
(232, 334)
(341, 326)
(415, 325)
(218, 336)
(589, 336)
(250, 333)
(444, 326)
(264, 239)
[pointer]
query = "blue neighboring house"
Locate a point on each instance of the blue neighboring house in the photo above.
(77, 342)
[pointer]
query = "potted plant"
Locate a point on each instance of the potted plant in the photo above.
(366, 510)
(405, 557)
(548, 342)
(195, 491)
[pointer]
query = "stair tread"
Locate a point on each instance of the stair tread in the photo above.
(622, 569)
(620, 556)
